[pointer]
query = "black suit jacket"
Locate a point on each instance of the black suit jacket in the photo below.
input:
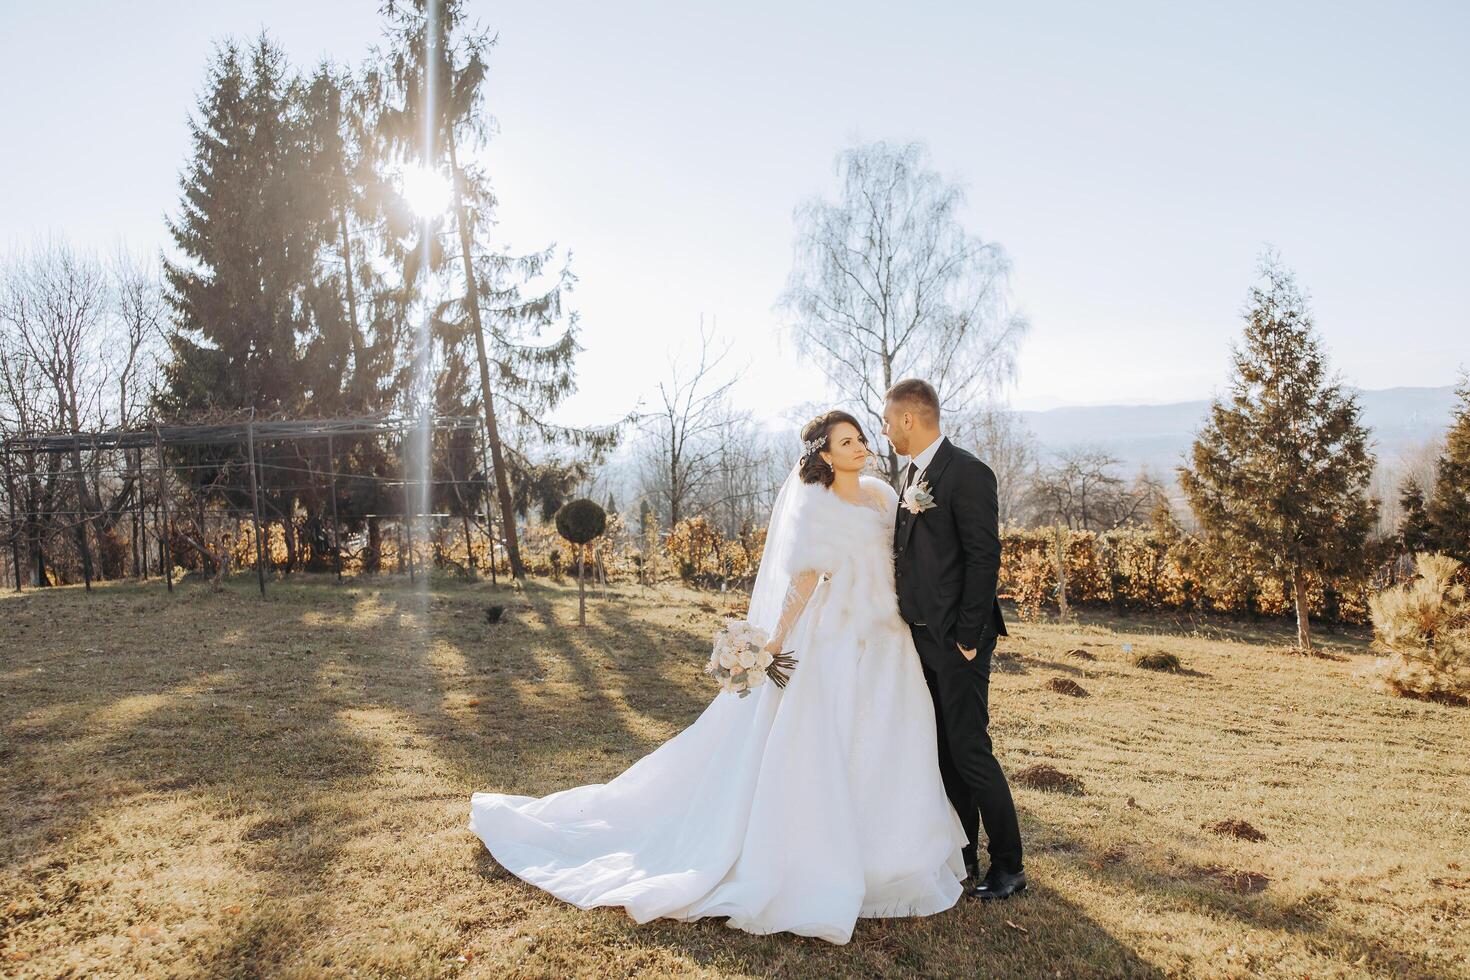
(947, 558)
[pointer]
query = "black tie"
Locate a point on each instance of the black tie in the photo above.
(913, 467)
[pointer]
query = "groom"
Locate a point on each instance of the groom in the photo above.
(946, 546)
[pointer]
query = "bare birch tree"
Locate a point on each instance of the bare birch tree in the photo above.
(683, 436)
(1083, 491)
(886, 283)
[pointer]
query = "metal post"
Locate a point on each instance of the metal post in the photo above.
(255, 502)
(81, 488)
(142, 518)
(165, 546)
(489, 507)
(336, 540)
(14, 530)
(408, 525)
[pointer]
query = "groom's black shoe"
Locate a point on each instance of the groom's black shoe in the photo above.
(972, 872)
(998, 884)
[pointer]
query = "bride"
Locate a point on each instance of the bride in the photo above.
(796, 809)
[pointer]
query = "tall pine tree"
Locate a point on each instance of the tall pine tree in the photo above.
(1449, 506)
(503, 305)
(1281, 468)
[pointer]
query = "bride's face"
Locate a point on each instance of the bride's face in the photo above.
(848, 450)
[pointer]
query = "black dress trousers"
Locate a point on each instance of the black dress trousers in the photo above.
(972, 776)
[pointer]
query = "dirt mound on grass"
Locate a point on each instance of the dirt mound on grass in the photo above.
(1239, 829)
(1240, 882)
(1158, 661)
(1043, 776)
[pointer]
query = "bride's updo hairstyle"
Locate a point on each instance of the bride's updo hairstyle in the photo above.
(816, 439)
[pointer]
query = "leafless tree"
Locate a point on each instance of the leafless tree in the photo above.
(887, 283)
(747, 473)
(32, 484)
(682, 438)
(1082, 490)
(135, 344)
(55, 302)
(79, 352)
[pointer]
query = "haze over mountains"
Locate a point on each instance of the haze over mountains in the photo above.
(1159, 436)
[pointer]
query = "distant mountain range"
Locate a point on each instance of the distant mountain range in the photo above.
(1159, 436)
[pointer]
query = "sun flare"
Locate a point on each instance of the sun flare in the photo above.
(427, 191)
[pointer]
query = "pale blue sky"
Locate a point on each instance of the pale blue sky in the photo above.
(1132, 157)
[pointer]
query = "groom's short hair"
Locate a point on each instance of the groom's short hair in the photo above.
(916, 395)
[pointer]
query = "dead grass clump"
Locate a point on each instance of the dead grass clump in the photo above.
(1158, 661)
(1240, 882)
(1108, 857)
(1437, 697)
(1050, 778)
(1082, 654)
(1067, 686)
(1239, 829)
(1317, 652)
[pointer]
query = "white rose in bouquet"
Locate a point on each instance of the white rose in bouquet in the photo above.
(740, 662)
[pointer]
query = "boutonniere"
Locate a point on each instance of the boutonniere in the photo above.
(917, 498)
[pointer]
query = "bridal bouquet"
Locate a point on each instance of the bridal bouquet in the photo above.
(740, 661)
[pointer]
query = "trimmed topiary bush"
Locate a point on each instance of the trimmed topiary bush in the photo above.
(581, 521)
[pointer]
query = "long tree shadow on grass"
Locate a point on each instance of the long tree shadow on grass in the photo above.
(1241, 895)
(1265, 631)
(1040, 934)
(255, 739)
(541, 687)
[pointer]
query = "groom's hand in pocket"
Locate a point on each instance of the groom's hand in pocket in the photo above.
(967, 652)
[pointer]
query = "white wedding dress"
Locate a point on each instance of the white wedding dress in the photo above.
(798, 809)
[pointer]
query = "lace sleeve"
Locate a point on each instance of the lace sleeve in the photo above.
(803, 584)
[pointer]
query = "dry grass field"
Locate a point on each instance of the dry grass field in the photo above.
(218, 785)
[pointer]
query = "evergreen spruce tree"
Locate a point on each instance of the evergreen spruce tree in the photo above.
(1280, 470)
(1449, 506)
(1414, 532)
(241, 296)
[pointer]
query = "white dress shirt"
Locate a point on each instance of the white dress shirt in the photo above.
(921, 461)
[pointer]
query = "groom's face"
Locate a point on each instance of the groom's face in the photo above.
(896, 427)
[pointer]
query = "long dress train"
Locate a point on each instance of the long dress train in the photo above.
(798, 809)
